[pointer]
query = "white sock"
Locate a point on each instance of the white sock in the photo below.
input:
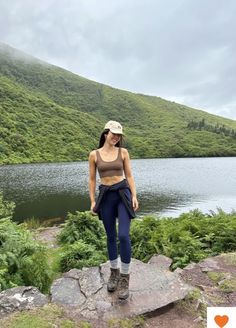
(114, 264)
(125, 268)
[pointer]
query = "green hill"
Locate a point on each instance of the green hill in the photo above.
(50, 114)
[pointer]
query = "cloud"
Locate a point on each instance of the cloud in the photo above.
(177, 49)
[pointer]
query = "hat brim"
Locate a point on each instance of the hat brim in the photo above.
(116, 131)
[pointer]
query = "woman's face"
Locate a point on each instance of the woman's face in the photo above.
(113, 138)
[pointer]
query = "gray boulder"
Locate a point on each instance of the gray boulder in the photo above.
(21, 298)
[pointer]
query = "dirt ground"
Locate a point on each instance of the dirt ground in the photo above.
(173, 316)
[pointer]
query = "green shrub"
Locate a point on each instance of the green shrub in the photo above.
(6, 208)
(79, 255)
(35, 271)
(22, 259)
(189, 238)
(83, 226)
(141, 235)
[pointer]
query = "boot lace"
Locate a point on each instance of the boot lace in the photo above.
(123, 283)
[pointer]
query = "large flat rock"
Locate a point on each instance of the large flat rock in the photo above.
(152, 286)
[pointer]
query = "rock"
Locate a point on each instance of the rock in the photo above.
(67, 291)
(21, 298)
(161, 261)
(209, 264)
(199, 319)
(215, 277)
(90, 281)
(193, 275)
(73, 273)
(48, 235)
(190, 266)
(151, 287)
(178, 270)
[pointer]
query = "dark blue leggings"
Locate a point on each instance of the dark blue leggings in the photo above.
(112, 207)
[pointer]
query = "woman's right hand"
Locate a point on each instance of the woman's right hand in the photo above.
(92, 207)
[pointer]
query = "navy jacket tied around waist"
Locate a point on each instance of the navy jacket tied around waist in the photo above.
(124, 191)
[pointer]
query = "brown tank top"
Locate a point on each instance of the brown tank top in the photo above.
(111, 168)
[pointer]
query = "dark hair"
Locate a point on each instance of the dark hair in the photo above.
(103, 139)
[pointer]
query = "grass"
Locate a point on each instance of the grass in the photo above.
(190, 304)
(228, 286)
(49, 316)
(33, 223)
(53, 256)
(216, 277)
(52, 315)
(126, 323)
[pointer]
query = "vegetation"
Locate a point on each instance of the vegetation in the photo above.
(201, 125)
(189, 238)
(22, 260)
(48, 114)
(192, 305)
(84, 242)
(126, 323)
(228, 285)
(79, 255)
(50, 315)
(83, 226)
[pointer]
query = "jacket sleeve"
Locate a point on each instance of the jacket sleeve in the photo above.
(125, 195)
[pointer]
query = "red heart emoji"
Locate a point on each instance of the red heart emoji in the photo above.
(221, 320)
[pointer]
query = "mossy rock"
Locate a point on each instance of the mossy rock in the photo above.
(216, 277)
(228, 286)
(229, 258)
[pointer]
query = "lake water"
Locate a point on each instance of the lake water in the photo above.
(166, 187)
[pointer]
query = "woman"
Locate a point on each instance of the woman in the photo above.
(117, 199)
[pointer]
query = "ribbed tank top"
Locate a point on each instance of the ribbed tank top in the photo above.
(111, 168)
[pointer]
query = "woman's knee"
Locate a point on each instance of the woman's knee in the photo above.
(124, 238)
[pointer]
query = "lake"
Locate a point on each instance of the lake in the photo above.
(166, 187)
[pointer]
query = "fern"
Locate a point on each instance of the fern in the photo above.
(22, 259)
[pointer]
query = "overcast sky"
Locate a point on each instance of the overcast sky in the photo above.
(180, 50)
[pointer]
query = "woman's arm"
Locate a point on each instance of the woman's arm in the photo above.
(92, 179)
(130, 178)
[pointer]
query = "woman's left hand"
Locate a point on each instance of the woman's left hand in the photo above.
(135, 203)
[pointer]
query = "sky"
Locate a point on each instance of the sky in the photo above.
(180, 50)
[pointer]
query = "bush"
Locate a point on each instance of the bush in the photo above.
(84, 227)
(141, 236)
(35, 271)
(6, 208)
(84, 241)
(79, 255)
(189, 238)
(22, 259)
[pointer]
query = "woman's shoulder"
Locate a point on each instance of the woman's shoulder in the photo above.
(92, 154)
(124, 152)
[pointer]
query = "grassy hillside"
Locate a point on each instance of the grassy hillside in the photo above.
(50, 114)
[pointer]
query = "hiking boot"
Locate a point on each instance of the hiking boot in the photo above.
(113, 280)
(123, 286)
